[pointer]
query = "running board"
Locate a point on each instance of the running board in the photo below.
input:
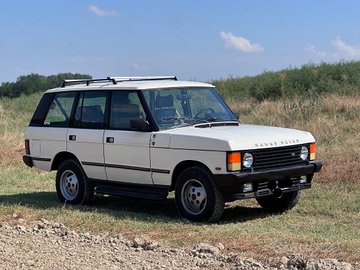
(156, 195)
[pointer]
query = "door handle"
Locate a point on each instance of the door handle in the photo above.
(72, 137)
(110, 139)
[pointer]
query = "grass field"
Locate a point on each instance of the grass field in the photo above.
(324, 224)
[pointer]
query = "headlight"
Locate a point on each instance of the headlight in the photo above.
(304, 153)
(248, 160)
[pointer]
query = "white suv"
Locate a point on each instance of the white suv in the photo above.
(145, 137)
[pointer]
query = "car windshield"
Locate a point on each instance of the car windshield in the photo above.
(187, 106)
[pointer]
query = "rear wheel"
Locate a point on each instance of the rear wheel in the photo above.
(197, 196)
(275, 204)
(72, 185)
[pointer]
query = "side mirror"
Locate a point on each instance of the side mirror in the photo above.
(236, 115)
(140, 124)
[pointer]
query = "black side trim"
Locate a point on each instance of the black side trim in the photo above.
(160, 171)
(89, 163)
(127, 167)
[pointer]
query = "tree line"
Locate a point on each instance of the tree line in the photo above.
(29, 84)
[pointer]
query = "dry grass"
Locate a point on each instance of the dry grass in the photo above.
(327, 214)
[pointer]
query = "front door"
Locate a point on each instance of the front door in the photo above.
(126, 150)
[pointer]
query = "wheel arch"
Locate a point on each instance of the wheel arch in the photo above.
(183, 166)
(60, 158)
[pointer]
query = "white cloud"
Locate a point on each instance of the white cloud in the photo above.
(340, 49)
(343, 49)
(239, 43)
(311, 48)
(103, 13)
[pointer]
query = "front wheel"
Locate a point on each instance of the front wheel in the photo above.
(72, 185)
(275, 204)
(197, 196)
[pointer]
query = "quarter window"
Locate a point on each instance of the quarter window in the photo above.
(60, 110)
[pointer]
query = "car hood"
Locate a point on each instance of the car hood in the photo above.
(232, 138)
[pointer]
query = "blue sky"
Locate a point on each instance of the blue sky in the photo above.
(196, 39)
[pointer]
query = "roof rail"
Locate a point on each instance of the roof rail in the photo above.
(147, 78)
(87, 81)
(114, 80)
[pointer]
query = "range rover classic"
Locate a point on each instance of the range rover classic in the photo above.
(147, 136)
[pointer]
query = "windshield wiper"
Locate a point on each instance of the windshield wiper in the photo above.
(174, 118)
(217, 118)
(210, 119)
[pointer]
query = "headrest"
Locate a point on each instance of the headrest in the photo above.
(126, 108)
(165, 101)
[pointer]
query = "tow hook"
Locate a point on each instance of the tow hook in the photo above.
(278, 192)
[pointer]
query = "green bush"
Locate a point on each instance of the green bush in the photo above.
(309, 80)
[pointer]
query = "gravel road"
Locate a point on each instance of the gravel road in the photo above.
(51, 245)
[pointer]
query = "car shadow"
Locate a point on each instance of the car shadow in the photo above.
(128, 207)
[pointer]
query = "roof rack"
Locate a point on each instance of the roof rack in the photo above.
(87, 81)
(114, 80)
(148, 78)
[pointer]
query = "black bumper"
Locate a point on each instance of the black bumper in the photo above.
(28, 161)
(265, 182)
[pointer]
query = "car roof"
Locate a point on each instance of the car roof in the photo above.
(127, 83)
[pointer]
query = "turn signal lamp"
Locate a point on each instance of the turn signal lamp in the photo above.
(312, 151)
(234, 161)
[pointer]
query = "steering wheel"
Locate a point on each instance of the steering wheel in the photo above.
(201, 111)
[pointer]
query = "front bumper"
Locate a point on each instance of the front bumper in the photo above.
(266, 182)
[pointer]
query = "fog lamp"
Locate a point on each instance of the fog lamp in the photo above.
(303, 179)
(247, 187)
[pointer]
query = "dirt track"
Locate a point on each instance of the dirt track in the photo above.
(50, 245)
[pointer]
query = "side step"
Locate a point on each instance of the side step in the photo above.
(155, 195)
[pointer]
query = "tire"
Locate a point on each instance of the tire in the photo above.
(72, 185)
(274, 204)
(197, 196)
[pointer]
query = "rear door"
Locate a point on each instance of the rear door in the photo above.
(85, 138)
(127, 157)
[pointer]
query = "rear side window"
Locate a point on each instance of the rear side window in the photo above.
(90, 111)
(59, 111)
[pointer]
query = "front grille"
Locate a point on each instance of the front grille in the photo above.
(277, 157)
